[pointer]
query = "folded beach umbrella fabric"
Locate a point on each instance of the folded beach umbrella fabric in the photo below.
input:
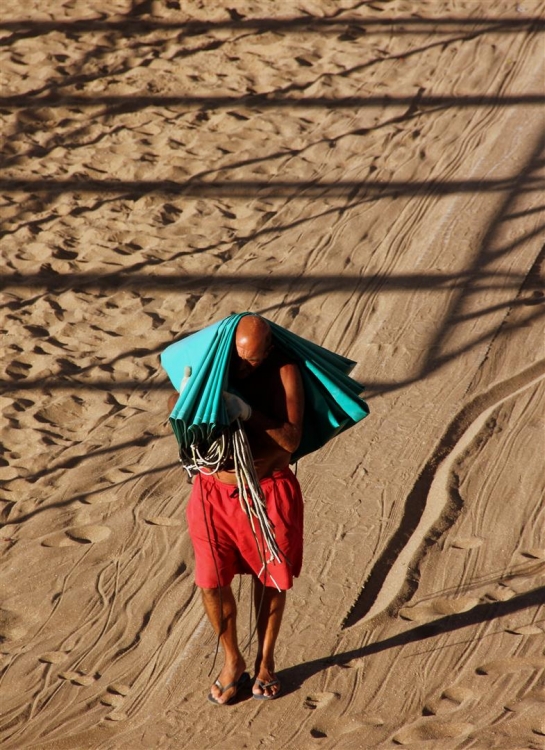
(332, 400)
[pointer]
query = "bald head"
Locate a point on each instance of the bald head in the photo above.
(252, 344)
(252, 329)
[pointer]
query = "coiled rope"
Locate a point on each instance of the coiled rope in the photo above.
(208, 459)
(234, 441)
(251, 496)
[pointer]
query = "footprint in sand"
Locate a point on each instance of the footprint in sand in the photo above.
(450, 700)
(99, 499)
(470, 542)
(432, 730)
(162, 521)
(506, 666)
(318, 733)
(53, 657)
(349, 728)
(113, 700)
(84, 679)
(501, 593)
(319, 700)
(115, 697)
(7, 473)
(78, 678)
(437, 608)
(59, 539)
(525, 630)
(119, 688)
(78, 535)
(372, 720)
(89, 534)
(117, 716)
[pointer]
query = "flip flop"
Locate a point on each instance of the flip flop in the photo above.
(242, 680)
(264, 686)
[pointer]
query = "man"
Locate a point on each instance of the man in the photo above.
(271, 406)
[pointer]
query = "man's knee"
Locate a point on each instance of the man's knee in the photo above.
(215, 593)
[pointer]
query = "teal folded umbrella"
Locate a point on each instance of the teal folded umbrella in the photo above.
(198, 366)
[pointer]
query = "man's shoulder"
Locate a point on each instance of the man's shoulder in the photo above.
(279, 358)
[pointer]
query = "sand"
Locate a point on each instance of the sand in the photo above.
(368, 175)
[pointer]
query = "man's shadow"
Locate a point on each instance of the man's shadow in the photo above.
(294, 677)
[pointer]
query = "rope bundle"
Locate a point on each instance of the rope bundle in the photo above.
(210, 459)
(215, 454)
(251, 494)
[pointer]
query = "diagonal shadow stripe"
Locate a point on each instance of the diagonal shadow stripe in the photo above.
(334, 24)
(136, 101)
(272, 188)
(408, 282)
(69, 380)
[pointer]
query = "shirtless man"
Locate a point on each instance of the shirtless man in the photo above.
(272, 410)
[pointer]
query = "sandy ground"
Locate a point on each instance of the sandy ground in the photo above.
(368, 175)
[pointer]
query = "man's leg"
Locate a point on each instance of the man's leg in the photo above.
(221, 608)
(269, 606)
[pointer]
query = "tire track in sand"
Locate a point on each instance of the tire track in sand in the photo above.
(432, 505)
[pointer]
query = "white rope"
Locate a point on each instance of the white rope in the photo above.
(250, 492)
(194, 462)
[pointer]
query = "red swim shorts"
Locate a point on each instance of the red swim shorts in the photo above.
(223, 539)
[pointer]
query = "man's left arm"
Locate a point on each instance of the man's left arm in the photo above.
(172, 399)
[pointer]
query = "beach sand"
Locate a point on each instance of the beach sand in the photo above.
(368, 175)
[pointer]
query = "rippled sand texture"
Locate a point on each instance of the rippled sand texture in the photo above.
(369, 175)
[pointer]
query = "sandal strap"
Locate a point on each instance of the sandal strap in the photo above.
(264, 685)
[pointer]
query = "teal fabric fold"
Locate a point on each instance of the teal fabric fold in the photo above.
(332, 398)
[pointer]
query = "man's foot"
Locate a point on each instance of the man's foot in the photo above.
(266, 691)
(267, 685)
(220, 695)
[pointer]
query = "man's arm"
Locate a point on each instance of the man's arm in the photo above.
(175, 396)
(172, 401)
(287, 430)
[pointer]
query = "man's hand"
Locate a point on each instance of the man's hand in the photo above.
(173, 398)
(236, 407)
